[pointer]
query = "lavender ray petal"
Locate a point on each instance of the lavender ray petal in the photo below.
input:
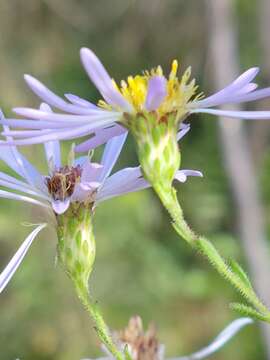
(192, 173)
(91, 172)
(156, 92)
(102, 80)
(132, 186)
(52, 99)
(31, 174)
(52, 148)
(22, 188)
(60, 206)
(110, 155)
(240, 96)
(16, 260)
(247, 88)
(80, 119)
(39, 124)
(53, 153)
(183, 131)
(226, 335)
(76, 100)
(83, 190)
(229, 90)
(60, 135)
(118, 182)
(100, 137)
(14, 180)
(13, 196)
(28, 171)
(254, 95)
(252, 115)
(26, 133)
(181, 175)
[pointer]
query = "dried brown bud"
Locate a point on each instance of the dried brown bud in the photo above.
(143, 345)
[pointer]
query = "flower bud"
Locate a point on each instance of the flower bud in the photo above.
(76, 243)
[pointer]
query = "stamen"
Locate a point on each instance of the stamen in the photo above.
(62, 183)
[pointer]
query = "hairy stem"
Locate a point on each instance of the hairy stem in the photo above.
(169, 199)
(100, 325)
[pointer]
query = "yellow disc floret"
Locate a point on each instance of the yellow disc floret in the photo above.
(179, 91)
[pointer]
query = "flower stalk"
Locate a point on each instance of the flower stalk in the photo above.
(234, 274)
(76, 253)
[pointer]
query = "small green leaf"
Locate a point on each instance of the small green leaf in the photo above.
(248, 311)
(237, 269)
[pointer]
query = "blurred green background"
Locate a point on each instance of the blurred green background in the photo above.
(141, 266)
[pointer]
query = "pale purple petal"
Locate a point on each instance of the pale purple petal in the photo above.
(32, 175)
(122, 182)
(181, 175)
(183, 131)
(83, 191)
(13, 196)
(252, 115)
(60, 135)
(38, 124)
(67, 118)
(27, 170)
(52, 148)
(229, 91)
(14, 180)
(24, 188)
(110, 155)
(16, 260)
(102, 80)
(226, 335)
(53, 154)
(52, 99)
(247, 88)
(76, 100)
(91, 171)
(254, 95)
(60, 206)
(100, 137)
(132, 186)
(156, 92)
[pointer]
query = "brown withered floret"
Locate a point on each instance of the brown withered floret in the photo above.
(62, 183)
(144, 344)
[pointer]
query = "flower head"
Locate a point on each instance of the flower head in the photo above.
(150, 92)
(69, 193)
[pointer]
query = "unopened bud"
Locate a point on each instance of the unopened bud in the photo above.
(76, 243)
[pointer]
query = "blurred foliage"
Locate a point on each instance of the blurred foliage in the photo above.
(141, 265)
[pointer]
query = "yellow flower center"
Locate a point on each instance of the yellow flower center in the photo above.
(179, 91)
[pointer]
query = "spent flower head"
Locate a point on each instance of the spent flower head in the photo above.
(69, 193)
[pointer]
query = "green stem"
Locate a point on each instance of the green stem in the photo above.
(169, 199)
(100, 325)
(76, 253)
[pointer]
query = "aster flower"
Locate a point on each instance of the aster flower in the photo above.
(66, 187)
(144, 345)
(141, 94)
